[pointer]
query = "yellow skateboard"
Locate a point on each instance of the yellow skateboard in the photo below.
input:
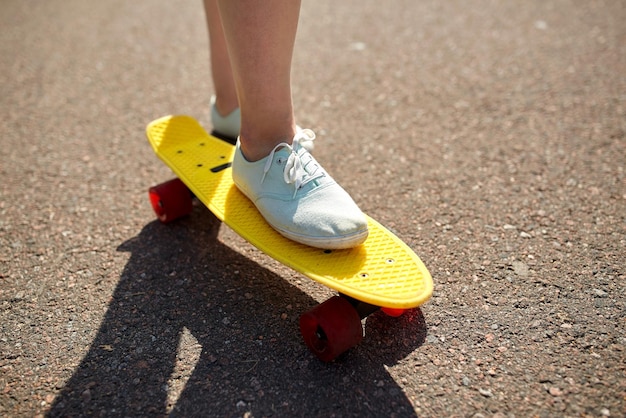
(382, 272)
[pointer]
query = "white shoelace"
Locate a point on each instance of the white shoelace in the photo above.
(294, 172)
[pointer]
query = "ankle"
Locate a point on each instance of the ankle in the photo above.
(224, 105)
(262, 145)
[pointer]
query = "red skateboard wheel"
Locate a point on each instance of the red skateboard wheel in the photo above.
(394, 312)
(171, 200)
(331, 328)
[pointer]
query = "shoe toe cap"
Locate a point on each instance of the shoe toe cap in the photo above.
(327, 220)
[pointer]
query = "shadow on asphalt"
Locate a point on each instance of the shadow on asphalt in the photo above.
(242, 350)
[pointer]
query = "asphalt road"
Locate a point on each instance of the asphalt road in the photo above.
(489, 135)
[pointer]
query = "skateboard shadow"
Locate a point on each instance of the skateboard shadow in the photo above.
(195, 328)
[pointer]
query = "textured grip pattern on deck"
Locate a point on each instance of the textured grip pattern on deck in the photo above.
(383, 271)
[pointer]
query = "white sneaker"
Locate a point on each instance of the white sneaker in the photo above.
(298, 198)
(227, 126)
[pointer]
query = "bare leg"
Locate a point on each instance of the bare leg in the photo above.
(223, 82)
(296, 196)
(260, 37)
